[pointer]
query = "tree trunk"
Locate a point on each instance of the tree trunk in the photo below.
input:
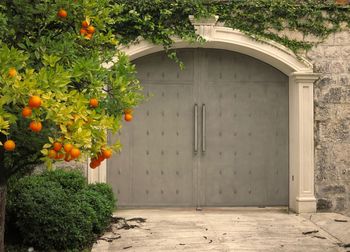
(3, 191)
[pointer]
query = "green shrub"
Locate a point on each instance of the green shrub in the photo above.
(72, 181)
(101, 206)
(106, 191)
(56, 210)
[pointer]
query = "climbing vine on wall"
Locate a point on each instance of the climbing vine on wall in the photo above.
(159, 20)
(269, 18)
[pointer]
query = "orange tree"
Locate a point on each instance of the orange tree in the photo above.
(57, 98)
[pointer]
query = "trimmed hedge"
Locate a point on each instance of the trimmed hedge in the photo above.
(58, 210)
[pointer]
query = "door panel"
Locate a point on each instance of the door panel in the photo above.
(155, 166)
(246, 157)
(246, 162)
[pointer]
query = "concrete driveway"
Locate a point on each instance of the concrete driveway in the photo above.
(225, 229)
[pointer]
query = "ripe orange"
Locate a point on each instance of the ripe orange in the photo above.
(94, 163)
(35, 126)
(128, 117)
(85, 24)
(88, 36)
(107, 153)
(34, 101)
(52, 154)
(93, 102)
(90, 29)
(67, 158)
(57, 146)
(9, 145)
(62, 13)
(26, 111)
(12, 72)
(83, 31)
(100, 158)
(68, 147)
(59, 156)
(75, 152)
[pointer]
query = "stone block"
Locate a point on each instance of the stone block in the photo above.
(315, 53)
(322, 67)
(325, 80)
(340, 204)
(329, 40)
(321, 114)
(334, 189)
(332, 52)
(344, 80)
(346, 52)
(334, 95)
(342, 38)
(324, 204)
(337, 67)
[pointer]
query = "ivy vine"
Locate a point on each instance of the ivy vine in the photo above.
(159, 20)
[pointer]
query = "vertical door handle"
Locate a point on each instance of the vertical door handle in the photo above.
(203, 128)
(195, 128)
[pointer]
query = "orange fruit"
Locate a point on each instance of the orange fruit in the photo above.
(34, 101)
(9, 145)
(12, 72)
(85, 24)
(90, 29)
(100, 157)
(62, 13)
(68, 147)
(67, 158)
(93, 102)
(35, 126)
(88, 36)
(82, 31)
(128, 117)
(94, 163)
(107, 153)
(26, 111)
(59, 156)
(57, 146)
(52, 154)
(75, 152)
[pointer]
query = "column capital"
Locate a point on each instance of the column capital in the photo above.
(306, 77)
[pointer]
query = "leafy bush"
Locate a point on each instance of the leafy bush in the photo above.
(71, 181)
(58, 210)
(106, 191)
(101, 197)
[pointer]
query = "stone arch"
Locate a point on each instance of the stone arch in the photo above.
(301, 79)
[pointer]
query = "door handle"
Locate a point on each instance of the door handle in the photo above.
(203, 128)
(195, 128)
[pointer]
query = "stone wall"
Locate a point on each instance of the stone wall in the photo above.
(332, 123)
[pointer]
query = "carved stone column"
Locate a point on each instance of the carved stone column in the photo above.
(301, 142)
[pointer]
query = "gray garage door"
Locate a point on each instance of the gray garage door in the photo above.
(214, 134)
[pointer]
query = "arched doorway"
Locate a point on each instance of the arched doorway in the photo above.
(214, 134)
(301, 79)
